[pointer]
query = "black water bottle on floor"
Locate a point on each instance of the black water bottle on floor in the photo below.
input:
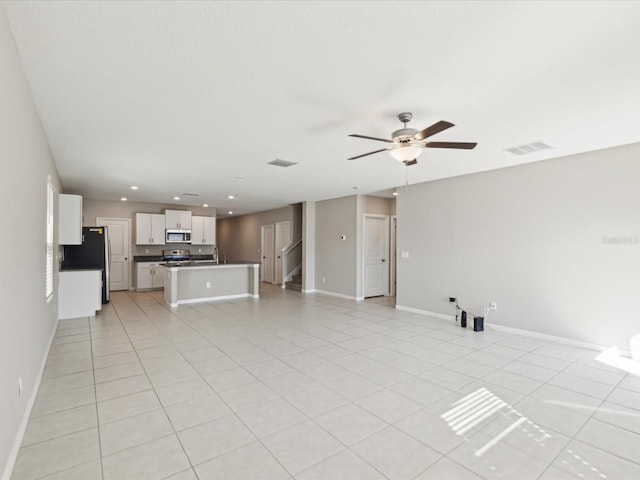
(463, 319)
(478, 324)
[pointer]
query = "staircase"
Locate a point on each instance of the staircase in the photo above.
(295, 283)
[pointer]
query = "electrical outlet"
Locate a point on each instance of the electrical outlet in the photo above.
(493, 306)
(199, 250)
(146, 250)
(208, 284)
(20, 386)
(404, 254)
(324, 279)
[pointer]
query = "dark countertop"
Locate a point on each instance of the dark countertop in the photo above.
(206, 264)
(147, 258)
(158, 258)
(80, 269)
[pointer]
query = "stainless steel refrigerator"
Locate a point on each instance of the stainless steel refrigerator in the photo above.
(94, 253)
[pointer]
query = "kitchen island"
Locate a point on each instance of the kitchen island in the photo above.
(191, 282)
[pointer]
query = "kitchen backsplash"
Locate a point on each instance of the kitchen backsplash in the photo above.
(157, 249)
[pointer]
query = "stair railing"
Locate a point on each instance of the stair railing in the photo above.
(291, 257)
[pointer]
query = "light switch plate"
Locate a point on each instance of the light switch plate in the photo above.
(404, 254)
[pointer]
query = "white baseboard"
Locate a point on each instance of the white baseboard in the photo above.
(214, 299)
(551, 338)
(13, 455)
(441, 316)
(516, 331)
(339, 295)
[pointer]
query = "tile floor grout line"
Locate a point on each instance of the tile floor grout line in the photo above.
(258, 438)
(95, 393)
(175, 433)
(235, 322)
(589, 417)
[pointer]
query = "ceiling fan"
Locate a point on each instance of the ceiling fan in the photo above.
(407, 143)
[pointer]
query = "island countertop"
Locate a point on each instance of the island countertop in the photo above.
(205, 263)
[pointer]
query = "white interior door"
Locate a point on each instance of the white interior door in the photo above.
(118, 230)
(283, 237)
(267, 252)
(376, 247)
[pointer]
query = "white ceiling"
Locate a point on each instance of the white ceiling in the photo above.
(196, 97)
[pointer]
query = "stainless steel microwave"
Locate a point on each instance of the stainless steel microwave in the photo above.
(178, 236)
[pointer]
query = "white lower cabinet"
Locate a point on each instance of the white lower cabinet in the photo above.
(149, 275)
(79, 293)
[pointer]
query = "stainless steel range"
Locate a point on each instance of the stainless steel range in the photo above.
(176, 257)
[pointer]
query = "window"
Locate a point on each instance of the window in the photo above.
(50, 254)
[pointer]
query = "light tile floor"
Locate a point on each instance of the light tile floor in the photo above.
(315, 387)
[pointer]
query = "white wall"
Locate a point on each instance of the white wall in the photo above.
(532, 238)
(27, 320)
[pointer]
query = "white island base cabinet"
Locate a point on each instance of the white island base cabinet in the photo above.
(209, 282)
(79, 293)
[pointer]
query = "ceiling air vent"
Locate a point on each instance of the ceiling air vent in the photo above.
(190, 194)
(529, 148)
(281, 163)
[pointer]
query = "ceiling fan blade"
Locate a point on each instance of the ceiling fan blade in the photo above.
(461, 145)
(408, 163)
(371, 138)
(433, 129)
(370, 153)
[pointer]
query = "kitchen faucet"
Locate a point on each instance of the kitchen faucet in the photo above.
(215, 254)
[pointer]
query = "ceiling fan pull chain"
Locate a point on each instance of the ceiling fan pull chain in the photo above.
(406, 177)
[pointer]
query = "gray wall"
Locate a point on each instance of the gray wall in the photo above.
(339, 262)
(27, 321)
(378, 205)
(308, 246)
(336, 259)
(91, 209)
(367, 204)
(239, 237)
(538, 239)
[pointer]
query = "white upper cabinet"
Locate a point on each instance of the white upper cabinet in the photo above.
(69, 219)
(178, 219)
(203, 230)
(150, 229)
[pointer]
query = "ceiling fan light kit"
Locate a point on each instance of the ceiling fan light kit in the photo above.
(406, 153)
(408, 143)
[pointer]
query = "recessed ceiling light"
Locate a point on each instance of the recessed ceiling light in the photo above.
(176, 198)
(205, 205)
(133, 187)
(230, 212)
(239, 177)
(124, 199)
(231, 197)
